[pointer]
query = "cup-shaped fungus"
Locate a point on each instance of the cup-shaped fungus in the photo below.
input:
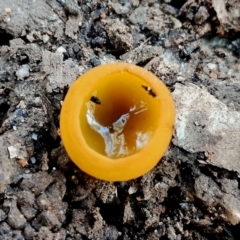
(117, 121)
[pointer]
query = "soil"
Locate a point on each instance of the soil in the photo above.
(193, 46)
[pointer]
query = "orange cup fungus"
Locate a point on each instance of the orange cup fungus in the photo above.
(117, 121)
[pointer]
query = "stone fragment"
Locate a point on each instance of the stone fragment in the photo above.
(205, 124)
(17, 151)
(37, 183)
(9, 168)
(26, 201)
(30, 37)
(23, 72)
(59, 73)
(128, 215)
(119, 8)
(71, 7)
(2, 215)
(170, 68)
(4, 229)
(34, 14)
(28, 232)
(8, 10)
(139, 15)
(46, 219)
(210, 193)
(201, 15)
(31, 50)
(153, 19)
(110, 233)
(15, 219)
(227, 13)
(132, 190)
(61, 49)
(141, 54)
(45, 38)
(118, 34)
(12, 152)
(72, 26)
(207, 190)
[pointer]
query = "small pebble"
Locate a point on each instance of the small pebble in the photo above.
(103, 15)
(33, 160)
(49, 208)
(34, 136)
(76, 48)
(29, 175)
(23, 71)
(186, 233)
(132, 190)
(8, 10)
(61, 49)
(22, 162)
(45, 38)
(54, 47)
(37, 100)
(212, 66)
(12, 152)
(30, 38)
(21, 104)
(3, 216)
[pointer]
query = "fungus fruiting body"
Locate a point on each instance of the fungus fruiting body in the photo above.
(117, 121)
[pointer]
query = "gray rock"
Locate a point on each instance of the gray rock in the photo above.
(29, 232)
(111, 233)
(9, 168)
(3, 216)
(171, 69)
(203, 123)
(230, 186)
(71, 6)
(154, 19)
(28, 212)
(51, 204)
(61, 235)
(45, 38)
(46, 219)
(43, 202)
(121, 7)
(44, 233)
(118, 34)
(37, 183)
(4, 228)
(58, 189)
(201, 15)
(15, 219)
(17, 235)
(59, 73)
(210, 193)
(72, 26)
(141, 54)
(23, 72)
(33, 51)
(139, 15)
(227, 13)
(28, 14)
(171, 233)
(207, 190)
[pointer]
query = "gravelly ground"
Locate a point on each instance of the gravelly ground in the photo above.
(193, 46)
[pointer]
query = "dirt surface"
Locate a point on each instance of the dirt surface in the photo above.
(193, 46)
